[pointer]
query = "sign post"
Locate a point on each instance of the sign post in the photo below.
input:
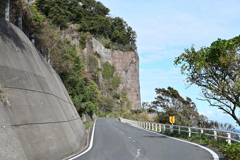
(172, 120)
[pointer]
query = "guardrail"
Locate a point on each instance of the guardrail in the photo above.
(158, 127)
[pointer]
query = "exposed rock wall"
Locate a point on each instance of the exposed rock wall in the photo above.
(37, 119)
(126, 65)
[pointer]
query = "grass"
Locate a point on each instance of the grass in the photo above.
(86, 124)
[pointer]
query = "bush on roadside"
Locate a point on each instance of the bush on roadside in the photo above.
(232, 151)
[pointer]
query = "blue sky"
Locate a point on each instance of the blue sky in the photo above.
(165, 28)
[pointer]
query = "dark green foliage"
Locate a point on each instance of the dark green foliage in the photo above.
(98, 25)
(64, 59)
(82, 90)
(107, 45)
(115, 82)
(61, 11)
(82, 41)
(92, 16)
(106, 104)
(2, 9)
(138, 111)
(170, 103)
(97, 54)
(108, 70)
(121, 32)
(116, 95)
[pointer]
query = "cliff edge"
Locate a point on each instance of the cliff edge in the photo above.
(126, 66)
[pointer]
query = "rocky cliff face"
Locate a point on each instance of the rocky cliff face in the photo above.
(126, 65)
(37, 117)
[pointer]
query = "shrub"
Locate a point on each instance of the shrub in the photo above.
(108, 70)
(86, 124)
(82, 41)
(97, 54)
(116, 95)
(129, 105)
(115, 82)
(107, 45)
(232, 151)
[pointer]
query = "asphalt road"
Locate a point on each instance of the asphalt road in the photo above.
(115, 140)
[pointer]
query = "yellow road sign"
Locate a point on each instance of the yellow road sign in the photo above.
(172, 119)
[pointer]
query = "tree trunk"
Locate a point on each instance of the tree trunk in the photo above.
(7, 10)
(20, 19)
(28, 31)
(236, 119)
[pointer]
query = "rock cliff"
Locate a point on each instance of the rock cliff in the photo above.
(126, 66)
(37, 117)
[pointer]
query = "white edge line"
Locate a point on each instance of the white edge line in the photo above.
(90, 146)
(215, 156)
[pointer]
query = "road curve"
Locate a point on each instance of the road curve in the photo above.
(115, 140)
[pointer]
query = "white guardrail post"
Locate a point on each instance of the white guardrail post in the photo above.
(215, 135)
(229, 136)
(162, 128)
(189, 132)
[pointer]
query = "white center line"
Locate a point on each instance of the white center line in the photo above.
(138, 154)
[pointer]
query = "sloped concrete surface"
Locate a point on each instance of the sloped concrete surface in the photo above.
(40, 120)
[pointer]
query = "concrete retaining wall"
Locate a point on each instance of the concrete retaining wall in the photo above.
(40, 120)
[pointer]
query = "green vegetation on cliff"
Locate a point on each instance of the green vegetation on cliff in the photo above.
(108, 70)
(42, 21)
(64, 59)
(91, 15)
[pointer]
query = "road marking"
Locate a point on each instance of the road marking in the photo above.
(90, 145)
(215, 156)
(122, 132)
(132, 139)
(138, 154)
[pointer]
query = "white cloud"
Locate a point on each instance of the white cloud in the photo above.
(165, 28)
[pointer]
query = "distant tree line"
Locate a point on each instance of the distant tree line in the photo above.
(169, 103)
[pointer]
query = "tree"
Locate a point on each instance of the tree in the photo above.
(121, 32)
(170, 103)
(216, 70)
